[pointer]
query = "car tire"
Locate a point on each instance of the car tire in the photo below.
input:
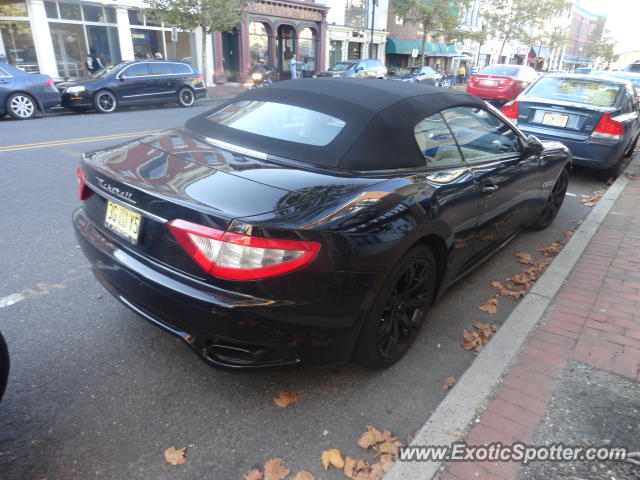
(445, 83)
(4, 365)
(186, 97)
(105, 102)
(554, 202)
(395, 318)
(21, 106)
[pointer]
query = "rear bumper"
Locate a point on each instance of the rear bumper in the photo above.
(225, 328)
(492, 93)
(49, 99)
(586, 153)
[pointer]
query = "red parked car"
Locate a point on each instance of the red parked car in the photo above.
(501, 83)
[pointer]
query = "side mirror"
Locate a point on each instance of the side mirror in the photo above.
(533, 145)
(359, 69)
(122, 77)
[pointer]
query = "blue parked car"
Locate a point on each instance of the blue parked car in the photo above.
(596, 117)
(23, 94)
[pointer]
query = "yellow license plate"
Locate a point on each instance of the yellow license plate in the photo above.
(555, 119)
(123, 221)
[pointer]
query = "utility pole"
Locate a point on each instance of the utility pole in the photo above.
(374, 3)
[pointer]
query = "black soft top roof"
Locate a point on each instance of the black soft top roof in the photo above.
(380, 117)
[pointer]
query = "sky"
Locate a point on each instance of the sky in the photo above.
(622, 20)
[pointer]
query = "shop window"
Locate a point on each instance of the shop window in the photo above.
(135, 17)
(52, 9)
(104, 47)
(13, 8)
(307, 49)
(93, 13)
(70, 11)
(258, 43)
(70, 49)
(335, 52)
(16, 46)
(147, 42)
(184, 47)
(110, 13)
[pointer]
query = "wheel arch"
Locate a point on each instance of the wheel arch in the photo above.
(438, 246)
(39, 107)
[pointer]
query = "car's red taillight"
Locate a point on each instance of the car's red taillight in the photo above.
(235, 256)
(608, 128)
(84, 191)
(49, 82)
(510, 110)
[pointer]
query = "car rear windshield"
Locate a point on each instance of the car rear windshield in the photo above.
(280, 121)
(503, 70)
(588, 92)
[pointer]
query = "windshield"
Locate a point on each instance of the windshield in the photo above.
(280, 121)
(103, 72)
(588, 92)
(503, 70)
(341, 66)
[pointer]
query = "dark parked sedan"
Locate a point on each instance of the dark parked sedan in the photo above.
(426, 75)
(596, 117)
(23, 94)
(141, 82)
(314, 221)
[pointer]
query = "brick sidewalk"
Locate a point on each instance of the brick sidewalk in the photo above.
(594, 319)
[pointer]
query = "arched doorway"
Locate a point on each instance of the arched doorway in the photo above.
(307, 50)
(286, 49)
(259, 43)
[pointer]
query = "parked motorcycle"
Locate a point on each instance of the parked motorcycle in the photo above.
(446, 81)
(261, 76)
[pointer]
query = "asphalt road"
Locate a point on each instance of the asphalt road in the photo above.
(97, 392)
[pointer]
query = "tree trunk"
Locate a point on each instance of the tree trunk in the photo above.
(204, 56)
(424, 43)
(502, 47)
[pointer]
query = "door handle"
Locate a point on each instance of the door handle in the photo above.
(489, 189)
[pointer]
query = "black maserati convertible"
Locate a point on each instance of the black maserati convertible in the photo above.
(314, 221)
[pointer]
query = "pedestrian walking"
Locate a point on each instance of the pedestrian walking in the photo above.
(462, 73)
(293, 66)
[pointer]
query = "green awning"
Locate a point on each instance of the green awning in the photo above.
(403, 46)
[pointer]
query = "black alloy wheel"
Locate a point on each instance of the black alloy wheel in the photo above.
(21, 106)
(105, 102)
(399, 311)
(186, 97)
(554, 202)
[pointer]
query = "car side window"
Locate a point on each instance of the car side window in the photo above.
(181, 69)
(160, 68)
(137, 70)
(436, 142)
(481, 134)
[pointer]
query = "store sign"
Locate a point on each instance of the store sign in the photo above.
(140, 36)
(281, 10)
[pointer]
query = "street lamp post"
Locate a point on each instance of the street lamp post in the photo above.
(374, 4)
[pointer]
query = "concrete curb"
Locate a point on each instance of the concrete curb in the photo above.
(460, 407)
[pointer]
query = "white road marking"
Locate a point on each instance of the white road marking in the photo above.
(11, 299)
(571, 194)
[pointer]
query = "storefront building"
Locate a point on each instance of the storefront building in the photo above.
(349, 23)
(272, 32)
(70, 39)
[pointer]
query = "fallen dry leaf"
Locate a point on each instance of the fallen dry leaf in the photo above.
(448, 383)
(478, 338)
(284, 398)
(391, 446)
(349, 467)
(253, 474)
(456, 435)
(303, 475)
(525, 258)
(369, 438)
(175, 456)
(332, 457)
(592, 200)
(386, 462)
(490, 306)
(273, 470)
